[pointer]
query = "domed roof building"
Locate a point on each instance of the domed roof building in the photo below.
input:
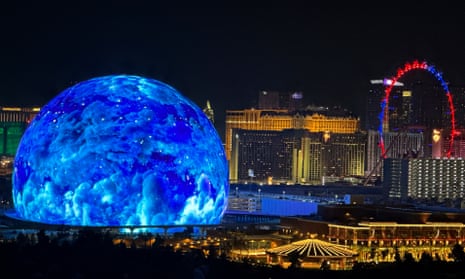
(312, 253)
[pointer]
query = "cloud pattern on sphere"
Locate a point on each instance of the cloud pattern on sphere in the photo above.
(120, 150)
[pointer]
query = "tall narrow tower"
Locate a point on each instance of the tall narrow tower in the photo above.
(209, 112)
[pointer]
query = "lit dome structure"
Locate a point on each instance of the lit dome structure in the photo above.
(120, 150)
(313, 253)
(313, 248)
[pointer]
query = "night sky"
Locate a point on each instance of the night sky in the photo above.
(227, 54)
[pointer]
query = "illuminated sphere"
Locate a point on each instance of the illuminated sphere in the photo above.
(120, 151)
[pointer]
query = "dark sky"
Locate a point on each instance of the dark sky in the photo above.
(227, 54)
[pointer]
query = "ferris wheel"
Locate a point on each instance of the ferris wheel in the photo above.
(383, 116)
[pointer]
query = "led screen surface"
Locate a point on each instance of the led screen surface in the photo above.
(120, 150)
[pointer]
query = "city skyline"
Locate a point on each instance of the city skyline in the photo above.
(227, 54)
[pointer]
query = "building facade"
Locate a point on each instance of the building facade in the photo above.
(281, 119)
(381, 241)
(292, 101)
(401, 144)
(13, 123)
(437, 179)
(295, 156)
(376, 94)
(425, 179)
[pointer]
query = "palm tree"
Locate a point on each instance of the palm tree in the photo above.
(458, 253)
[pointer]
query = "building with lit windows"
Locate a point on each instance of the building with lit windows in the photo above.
(404, 144)
(292, 101)
(343, 154)
(281, 119)
(259, 156)
(417, 109)
(381, 241)
(373, 158)
(437, 179)
(396, 177)
(441, 144)
(425, 179)
(459, 105)
(379, 233)
(376, 93)
(13, 123)
(295, 156)
(459, 144)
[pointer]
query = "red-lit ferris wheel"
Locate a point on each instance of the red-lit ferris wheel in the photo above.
(409, 66)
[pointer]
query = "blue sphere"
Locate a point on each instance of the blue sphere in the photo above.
(120, 150)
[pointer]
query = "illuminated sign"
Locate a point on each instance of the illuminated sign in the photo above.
(406, 93)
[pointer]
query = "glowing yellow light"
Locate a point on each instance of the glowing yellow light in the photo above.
(406, 93)
(326, 136)
(11, 109)
(436, 135)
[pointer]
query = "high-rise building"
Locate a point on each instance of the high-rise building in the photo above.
(279, 120)
(418, 121)
(430, 104)
(395, 177)
(444, 144)
(208, 110)
(295, 156)
(400, 112)
(308, 158)
(437, 178)
(402, 144)
(269, 100)
(343, 154)
(373, 162)
(459, 104)
(459, 144)
(430, 107)
(13, 123)
(291, 101)
(425, 178)
(264, 156)
(375, 96)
